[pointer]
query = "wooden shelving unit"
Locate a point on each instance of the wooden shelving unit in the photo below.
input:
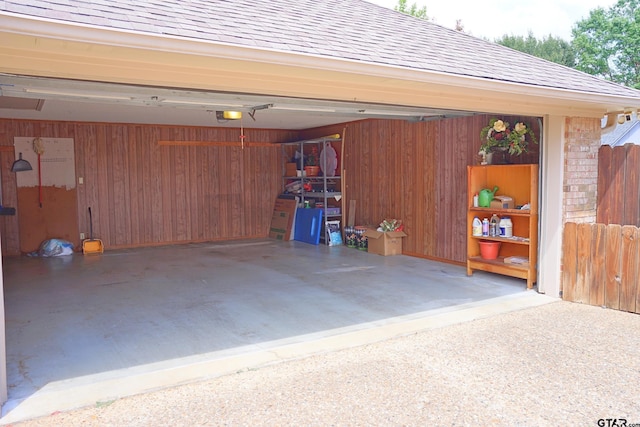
(521, 183)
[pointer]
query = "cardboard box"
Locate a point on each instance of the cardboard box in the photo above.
(279, 226)
(502, 202)
(517, 260)
(290, 169)
(282, 219)
(384, 242)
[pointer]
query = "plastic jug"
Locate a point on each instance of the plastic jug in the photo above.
(486, 196)
(476, 229)
(506, 227)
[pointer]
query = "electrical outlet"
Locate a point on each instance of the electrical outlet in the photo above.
(81, 236)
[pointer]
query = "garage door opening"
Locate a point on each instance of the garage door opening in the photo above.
(144, 313)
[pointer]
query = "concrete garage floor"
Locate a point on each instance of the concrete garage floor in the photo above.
(87, 329)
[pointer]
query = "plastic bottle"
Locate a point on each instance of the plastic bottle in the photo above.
(485, 227)
(476, 228)
(506, 227)
(494, 226)
(475, 200)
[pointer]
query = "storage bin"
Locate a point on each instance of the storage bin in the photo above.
(489, 250)
(290, 169)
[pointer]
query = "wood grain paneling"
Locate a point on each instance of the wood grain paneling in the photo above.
(56, 219)
(597, 283)
(146, 193)
(629, 276)
(569, 261)
(605, 196)
(619, 185)
(142, 193)
(583, 277)
(612, 267)
(415, 171)
(600, 265)
(631, 206)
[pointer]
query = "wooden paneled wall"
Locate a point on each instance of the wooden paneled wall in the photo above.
(600, 265)
(619, 185)
(416, 172)
(142, 193)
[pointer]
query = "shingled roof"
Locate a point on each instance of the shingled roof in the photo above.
(623, 133)
(352, 30)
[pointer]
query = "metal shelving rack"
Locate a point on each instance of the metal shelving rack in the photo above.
(329, 186)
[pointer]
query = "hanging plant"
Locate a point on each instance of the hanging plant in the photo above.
(499, 135)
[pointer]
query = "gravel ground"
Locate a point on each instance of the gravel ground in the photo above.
(557, 364)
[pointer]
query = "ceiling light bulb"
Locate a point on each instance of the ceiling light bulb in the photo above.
(228, 115)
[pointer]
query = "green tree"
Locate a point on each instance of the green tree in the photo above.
(551, 48)
(607, 43)
(412, 10)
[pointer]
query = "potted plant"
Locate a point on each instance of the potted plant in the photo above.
(498, 135)
(311, 163)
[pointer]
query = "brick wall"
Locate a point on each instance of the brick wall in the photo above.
(582, 141)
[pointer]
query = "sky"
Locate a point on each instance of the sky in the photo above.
(492, 19)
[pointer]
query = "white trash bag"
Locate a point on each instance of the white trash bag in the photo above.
(55, 247)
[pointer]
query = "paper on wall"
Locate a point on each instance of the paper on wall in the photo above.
(57, 162)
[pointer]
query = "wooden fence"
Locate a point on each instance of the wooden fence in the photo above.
(601, 265)
(619, 185)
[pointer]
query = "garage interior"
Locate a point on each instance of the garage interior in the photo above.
(183, 202)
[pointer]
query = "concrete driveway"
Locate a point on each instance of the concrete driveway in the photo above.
(558, 363)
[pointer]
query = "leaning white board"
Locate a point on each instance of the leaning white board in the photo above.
(58, 166)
